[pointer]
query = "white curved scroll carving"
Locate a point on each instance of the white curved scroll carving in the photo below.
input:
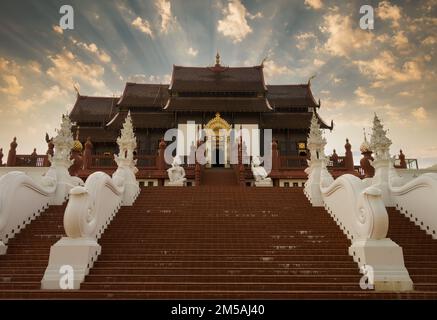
(358, 210)
(21, 200)
(417, 199)
(92, 206)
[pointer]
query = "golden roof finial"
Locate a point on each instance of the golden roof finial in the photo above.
(217, 59)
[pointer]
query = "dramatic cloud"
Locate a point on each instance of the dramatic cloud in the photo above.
(164, 11)
(258, 15)
(315, 4)
(420, 114)
(429, 41)
(161, 79)
(385, 71)
(400, 41)
(143, 26)
(137, 78)
(11, 85)
(67, 69)
(92, 47)
(271, 69)
(53, 93)
(234, 25)
(343, 39)
(192, 52)
(363, 97)
(318, 62)
(387, 11)
(303, 39)
(57, 29)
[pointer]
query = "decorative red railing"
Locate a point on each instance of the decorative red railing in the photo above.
(31, 161)
(292, 162)
(103, 161)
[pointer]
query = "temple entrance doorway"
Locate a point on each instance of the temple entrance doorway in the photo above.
(218, 142)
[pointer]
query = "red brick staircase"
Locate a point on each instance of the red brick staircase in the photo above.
(23, 265)
(219, 177)
(420, 250)
(214, 242)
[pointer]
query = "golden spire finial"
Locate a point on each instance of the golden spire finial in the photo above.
(217, 59)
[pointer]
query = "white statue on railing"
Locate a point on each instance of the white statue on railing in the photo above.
(380, 145)
(60, 163)
(260, 174)
(316, 170)
(125, 173)
(176, 174)
(127, 143)
(63, 143)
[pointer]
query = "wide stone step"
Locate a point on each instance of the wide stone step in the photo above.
(210, 294)
(231, 286)
(338, 270)
(222, 278)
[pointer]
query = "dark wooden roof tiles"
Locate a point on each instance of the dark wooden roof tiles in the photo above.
(93, 109)
(223, 79)
(144, 95)
(286, 96)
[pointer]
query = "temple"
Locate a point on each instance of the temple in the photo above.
(215, 97)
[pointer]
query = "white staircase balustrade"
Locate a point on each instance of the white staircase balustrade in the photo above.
(360, 212)
(413, 193)
(417, 200)
(23, 198)
(89, 212)
(21, 201)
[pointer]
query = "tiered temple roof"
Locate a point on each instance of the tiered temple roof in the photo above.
(94, 109)
(200, 89)
(138, 95)
(218, 79)
(286, 96)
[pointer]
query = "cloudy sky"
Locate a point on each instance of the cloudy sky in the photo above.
(390, 70)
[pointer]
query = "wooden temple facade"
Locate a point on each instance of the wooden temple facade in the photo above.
(236, 96)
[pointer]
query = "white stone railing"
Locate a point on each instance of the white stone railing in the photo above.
(417, 200)
(358, 208)
(89, 212)
(360, 212)
(21, 201)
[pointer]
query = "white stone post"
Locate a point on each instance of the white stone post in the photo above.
(380, 145)
(60, 163)
(127, 169)
(317, 165)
